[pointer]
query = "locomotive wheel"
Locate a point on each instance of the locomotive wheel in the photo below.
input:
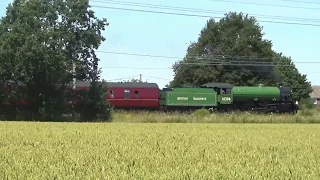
(248, 107)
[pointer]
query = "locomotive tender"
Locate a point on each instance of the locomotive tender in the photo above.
(219, 96)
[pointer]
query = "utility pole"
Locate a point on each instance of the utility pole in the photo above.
(73, 88)
(140, 78)
(74, 75)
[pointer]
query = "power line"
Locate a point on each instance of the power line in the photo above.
(199, 63)
(206, 64)
(142, 55)
(197, 15)
(128, 67)
(216, 59)
(176, 57)
(157, 78)
(296, 87)
(198, 10)
(138, 76)
(148, 11)
(234, 64)
(263, 4)
(122, 78)
(297, 1)
(167, 68)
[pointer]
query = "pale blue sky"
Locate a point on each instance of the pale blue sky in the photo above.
(170, 35)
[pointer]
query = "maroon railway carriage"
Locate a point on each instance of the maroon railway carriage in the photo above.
(80, 85)
(5, 89)
(123, 95)
(133, 95)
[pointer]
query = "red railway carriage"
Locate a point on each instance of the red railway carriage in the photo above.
(80, 85)
(133, 95)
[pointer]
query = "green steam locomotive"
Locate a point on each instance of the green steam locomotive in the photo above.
(225, 97)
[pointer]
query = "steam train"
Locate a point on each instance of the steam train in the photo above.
(214, 96)
(218, 96)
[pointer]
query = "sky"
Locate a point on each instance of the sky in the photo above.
(170, 35)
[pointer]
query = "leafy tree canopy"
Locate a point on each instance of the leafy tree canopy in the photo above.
(233, 50)
(301, 88)
(40, 40)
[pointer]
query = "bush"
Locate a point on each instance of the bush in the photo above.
(95, 106)
(202, 116)
(200, 113)
(306, 103)
(306, 112)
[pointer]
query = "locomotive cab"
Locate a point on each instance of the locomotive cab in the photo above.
(224, 91)
(285, 93)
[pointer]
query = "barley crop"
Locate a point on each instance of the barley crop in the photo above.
(158, 151)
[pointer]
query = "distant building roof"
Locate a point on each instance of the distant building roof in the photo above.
(316, 92)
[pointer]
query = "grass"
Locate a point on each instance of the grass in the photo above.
(31, 150)
(201, 116)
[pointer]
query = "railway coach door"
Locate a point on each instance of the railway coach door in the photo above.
(226, 96)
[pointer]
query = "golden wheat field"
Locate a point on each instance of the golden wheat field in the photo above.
(32, 150)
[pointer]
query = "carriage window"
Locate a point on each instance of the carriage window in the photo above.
(111, 94)
(136, 94)
(126, 94)
(225, 91)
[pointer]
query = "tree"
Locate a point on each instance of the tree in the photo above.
(227, 51)
(95, 107)
(133, 80)
(301, 88)
(233, 50)
(41, 40)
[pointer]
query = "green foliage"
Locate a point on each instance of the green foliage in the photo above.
(306, 103)
(301, 88)
(201, 113)
(309, 116)
(40, 41)
(231, 50)
(133, 80)
(307, 108)
(51, 110)
(95, 107)
(220, 45)
(306, 112)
